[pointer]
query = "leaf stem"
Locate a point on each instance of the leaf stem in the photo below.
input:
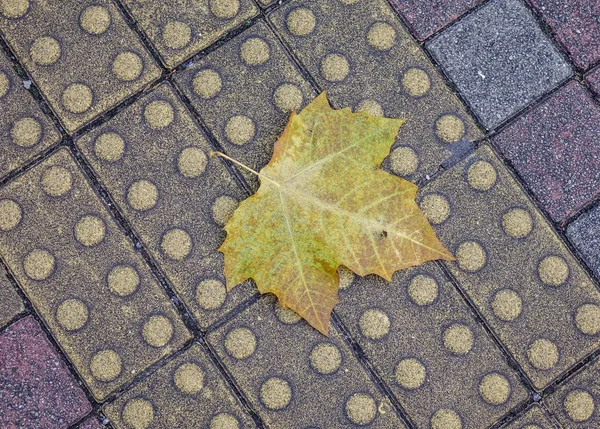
(236, 162)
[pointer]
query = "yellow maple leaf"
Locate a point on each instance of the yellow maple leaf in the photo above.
(323, 202)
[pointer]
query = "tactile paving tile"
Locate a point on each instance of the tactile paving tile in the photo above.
(10, 302)
(180, 29)
(360, 54)
(244, 92)
(535, 417)
(188, 392)
(80, 53)
(24, 129)
(423, 340)
(156, 164)
(295, 377)
(541, 304)
(81, 273)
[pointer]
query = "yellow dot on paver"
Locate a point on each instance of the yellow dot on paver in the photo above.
(192, 162)
(374, 324)
(123, 280)
(410, 373)
(240, 343)
(579, 405)
(458, 339)
(72, 314)
(346, 277)
(553, 270)
(90, 230)
(45, 50)
(361, 408)
(275, 393)
(4, 84)
(176, 34)
(404, 161)
(381, 36)
(301, 21)
(423, 289)
(210, 294)
(349, 1)
(138, 413)
(482, 175)
(11, 214)
(127, 66)
(224, 421)
(435, 207)
(176, 244)
(39, 264)
(471, 256)
(95, 19)
(494, 388)
(446, 418)
(26, 132)
(56, 181)
(223, 209)
(109, 147)
(372, 107)
(14, 8)
(288, 97)
(286, 316)
(207, 83)
(325, 358)
(77, 98)
(532, 427)
(142, 195)
(157, 331)
(587, 317)
(255, 51)
(416, 82)
(189, 378)
(449, 128)
(224, 9)
(240, 129)
(159, 114)
(517, 223)
(543, 354)
(507, 305)
(335, 67)
(106, 365)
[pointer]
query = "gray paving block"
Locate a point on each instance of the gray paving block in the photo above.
(499, 59)
(585, 235)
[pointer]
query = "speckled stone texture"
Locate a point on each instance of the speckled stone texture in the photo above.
(554, 148)
(91, 423)
(36, 389)
(593, 80)
(585, 235)
(499, 59)
(425, 17)
(576, 24)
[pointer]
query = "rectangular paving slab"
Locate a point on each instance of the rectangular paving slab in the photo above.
(24, 130)
(295, 377)
(584, 233)
(156, 164)
(362, 56)
(10, 302)
(499, 59)
(188, 392)
(80, 53)
(94, 292)
(523, 280)
(179, 29)
(424, 341)
(535, 417)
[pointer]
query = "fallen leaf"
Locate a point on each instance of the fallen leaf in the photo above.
(323, 202)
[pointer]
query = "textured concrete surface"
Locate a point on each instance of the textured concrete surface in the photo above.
(499, 59)
(10, 302)
(535, 417)
(584, 233)
(593, 80)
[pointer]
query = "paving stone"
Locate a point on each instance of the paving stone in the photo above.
(24, 131)
(425, 17)
(244, 92)
(363, 57)
(84, 278)
(422, 338)
(92, 423)
(576, 25)
(187, 392)
(584, 233)
(80, 53)
(295, 377)
(528, 287)
(36, 388)
(554, 149)
(575, 404)
(593, 80)
(534, 418)
(499, 59)
(179, 29)
(157, 167)
(10, 302)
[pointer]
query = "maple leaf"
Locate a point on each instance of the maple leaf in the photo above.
(323, 202)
